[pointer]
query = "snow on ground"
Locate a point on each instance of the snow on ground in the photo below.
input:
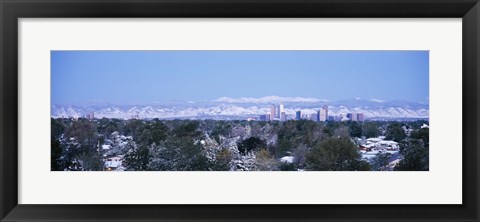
(287, 159)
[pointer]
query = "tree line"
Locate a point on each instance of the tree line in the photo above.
(216, 145)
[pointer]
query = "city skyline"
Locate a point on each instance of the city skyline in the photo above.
(163, 76)
(278, 113)
(274, 112)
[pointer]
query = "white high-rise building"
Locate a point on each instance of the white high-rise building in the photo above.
(325, 107)
(360, 117)
(273, 112)
(323, 113)
(279, 110)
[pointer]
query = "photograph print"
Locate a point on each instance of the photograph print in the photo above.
(239, 110)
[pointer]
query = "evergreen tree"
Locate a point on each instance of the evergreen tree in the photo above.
(380, 161)
(421, 134)
(179, 154)
(251, 144)
(134, 128)
(395, 132)
(334, 154)
(355, 129)
(56, 156)
(188, 129)
(137, 159)
(370, 130)
(341, 131)
(223, 160)
(415, 156)
(83, 131)
(57, 128)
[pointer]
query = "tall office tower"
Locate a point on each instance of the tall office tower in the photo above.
(354, 117)
(318, 116)
(298, 115)
(272, 112)
(277, 111)
(325, 107)
(360, 117)
(283, 116)
(323, 114)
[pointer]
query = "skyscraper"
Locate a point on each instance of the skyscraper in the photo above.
(281, 109)
(325, 107)
(323, 114)
(360, 117)
(354, 117)
(277, 111)
(298, 115)
(272, 112)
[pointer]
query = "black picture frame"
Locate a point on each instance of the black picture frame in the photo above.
(12, 10)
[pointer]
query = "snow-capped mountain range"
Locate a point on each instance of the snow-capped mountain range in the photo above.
(269, 99)
(241, 108)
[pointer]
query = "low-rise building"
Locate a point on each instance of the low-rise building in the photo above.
(114, 163)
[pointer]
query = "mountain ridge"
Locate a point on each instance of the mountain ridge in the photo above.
(245, 107)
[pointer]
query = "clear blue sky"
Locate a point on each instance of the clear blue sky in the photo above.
(160, 76)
